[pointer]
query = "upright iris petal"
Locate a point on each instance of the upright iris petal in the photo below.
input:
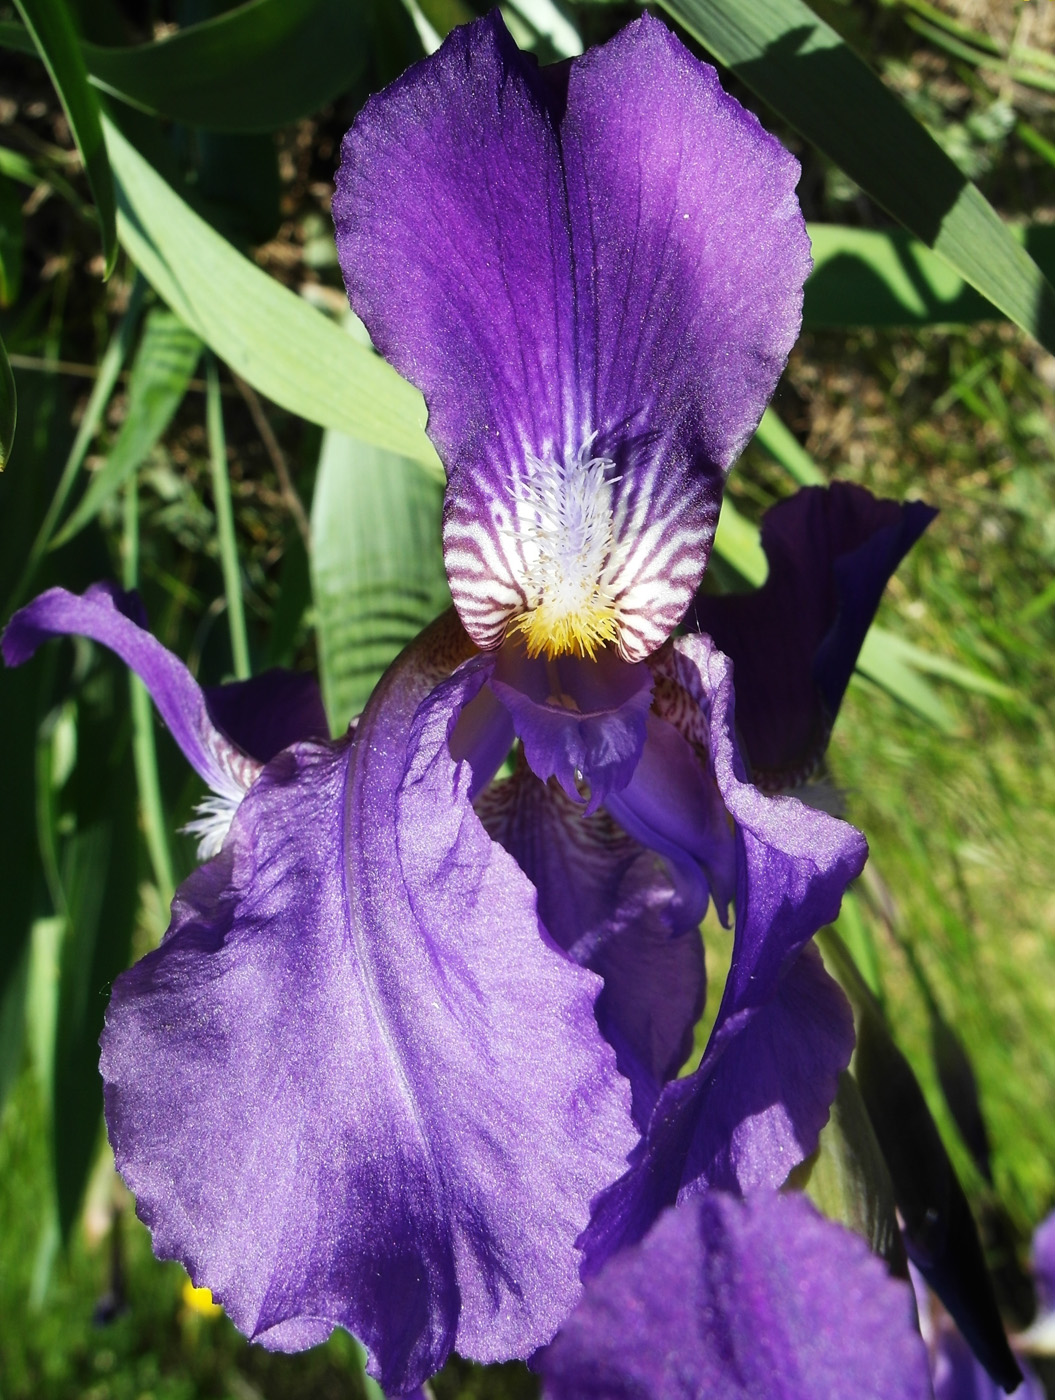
(594, 275)
(794, 641)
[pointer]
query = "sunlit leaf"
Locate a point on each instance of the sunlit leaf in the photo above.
(933, 665)
(737, 541)
(551, 25)
(848, 1179)
(164, 363)
(864, 277)
(884, 663)
(267, 334)
(259, 66)
(782, 445)
(377, 566)
(801, 68)
(49, 22)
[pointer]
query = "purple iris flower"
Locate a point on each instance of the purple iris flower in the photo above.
(733, 1299)
(404, 1061)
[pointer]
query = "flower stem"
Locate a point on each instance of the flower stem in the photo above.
(109, 368)
(221, 489)
(144, 751)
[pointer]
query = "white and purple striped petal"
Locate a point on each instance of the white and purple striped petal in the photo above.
(594, 275)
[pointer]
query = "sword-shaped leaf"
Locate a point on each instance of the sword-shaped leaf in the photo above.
(801, 68)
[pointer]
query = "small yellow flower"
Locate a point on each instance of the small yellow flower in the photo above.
(199, 1300)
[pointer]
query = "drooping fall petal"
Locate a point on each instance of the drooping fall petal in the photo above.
(783, 1025)
(612, 906)
(736, 1300)
(115, 618)
(356, 1085)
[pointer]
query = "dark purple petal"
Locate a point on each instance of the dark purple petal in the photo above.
(752, 1111)
(483, 735)
(107, 615)
(265, 715)
(595, 277)
(765, 1089)
(612, 907)
(735, 1300)
(792, 865)
(959, 1375)
(794, 862)
(794, 642)
(356, 1084)
(577, 718)
(672, 805)
(1044, 1263)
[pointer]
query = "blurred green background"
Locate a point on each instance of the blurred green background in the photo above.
(209, 426)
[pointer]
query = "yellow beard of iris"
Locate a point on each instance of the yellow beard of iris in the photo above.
(552, 631)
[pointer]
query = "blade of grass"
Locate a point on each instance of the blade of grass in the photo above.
(932, 664)
(109, 368)
(802, 68)
(164, 365)
(16, 167)
(221, 489)
(953, 26)
(8, 407)
(882, 664)
(1044, 600)
(11, 242)
(1029, 136)
(144, 749)
(51, 26)
(1028, 77)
